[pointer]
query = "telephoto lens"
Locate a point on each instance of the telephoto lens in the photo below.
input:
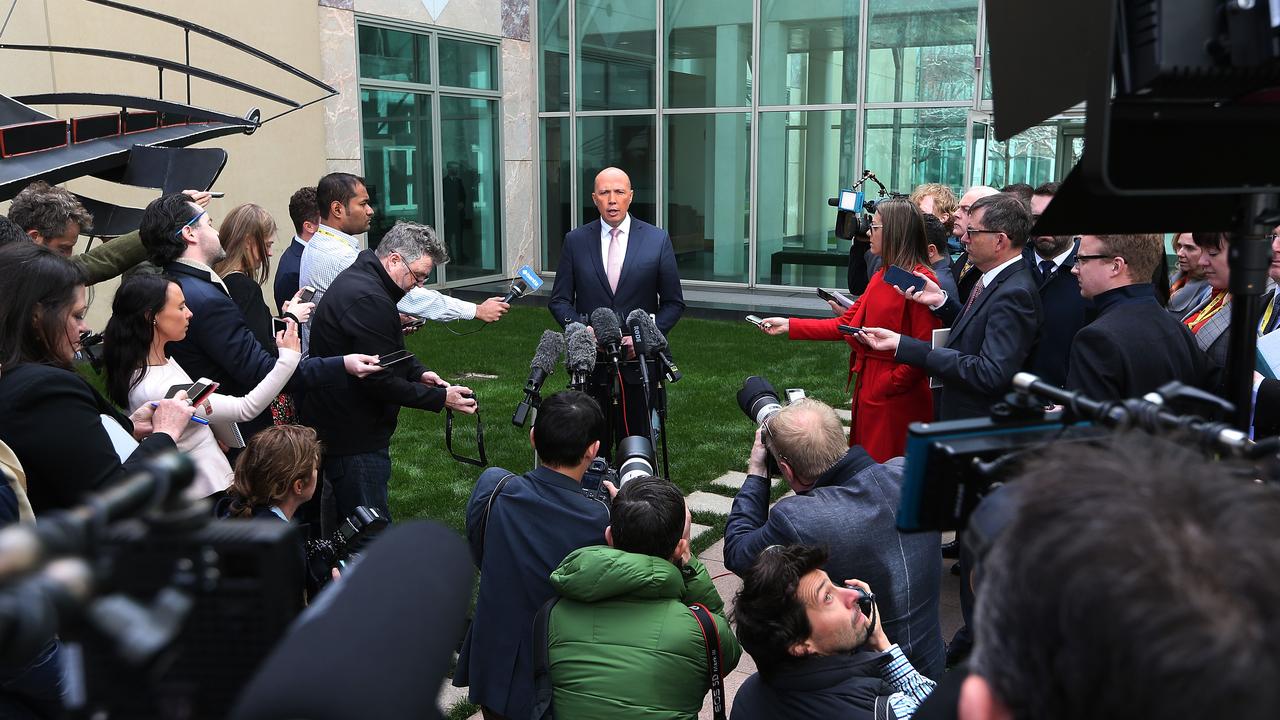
(635, 458)
(758, 399)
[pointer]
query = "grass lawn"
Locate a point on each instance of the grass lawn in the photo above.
(708, 434)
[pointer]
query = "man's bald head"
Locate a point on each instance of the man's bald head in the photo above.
(971, 196)
(809, 437)
(612, 195)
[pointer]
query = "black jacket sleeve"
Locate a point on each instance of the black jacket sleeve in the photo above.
(368, 324)
(1091, 369)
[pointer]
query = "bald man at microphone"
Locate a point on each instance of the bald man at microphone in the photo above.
(619, 263)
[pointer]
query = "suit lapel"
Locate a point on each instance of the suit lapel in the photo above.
(597, 258)
(982, 299)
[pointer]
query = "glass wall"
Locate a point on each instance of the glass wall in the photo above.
(423, 95)
(738, 119)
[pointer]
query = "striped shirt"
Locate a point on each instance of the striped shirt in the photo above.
(330, 251)
(912, 687)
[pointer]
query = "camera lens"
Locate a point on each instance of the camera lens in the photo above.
(758, 399)
(635, 458)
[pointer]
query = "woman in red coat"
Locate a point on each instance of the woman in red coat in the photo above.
(888, 395)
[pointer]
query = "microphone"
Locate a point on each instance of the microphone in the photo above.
(311, 672)
(608, 333)
(635, 323)
(526, 280)
(579, 354)
(657, 344)
(550, 347)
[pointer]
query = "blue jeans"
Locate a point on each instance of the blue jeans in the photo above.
(351, 481)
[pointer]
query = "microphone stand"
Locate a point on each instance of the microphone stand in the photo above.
(661, 403)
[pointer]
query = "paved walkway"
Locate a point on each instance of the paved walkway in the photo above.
(718, 500)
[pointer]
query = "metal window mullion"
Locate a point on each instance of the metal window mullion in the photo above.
(575, 205)
(753, 143)
(437, 182)
(659, 124)
(860, 114)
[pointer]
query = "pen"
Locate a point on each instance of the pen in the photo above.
(194, 418)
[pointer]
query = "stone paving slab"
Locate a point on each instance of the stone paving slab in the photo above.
(709, 502)
(731, 480)
(844, 415)
(695, 530)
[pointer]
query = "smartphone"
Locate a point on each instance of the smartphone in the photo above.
(217, 194)
(849, 329)
(417, 322)
(902, 278)
(197, 392)
(278, 325)
(308, 292)
(835, 297)
(754, 320)
(392, 358)
(795, 395)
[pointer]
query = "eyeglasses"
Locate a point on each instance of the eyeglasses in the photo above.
(971, 231)
(768, 438)
(417, 281)
(1082, 258)
(875, 226)
(190, 222)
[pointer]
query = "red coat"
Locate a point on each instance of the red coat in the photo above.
(889, 395)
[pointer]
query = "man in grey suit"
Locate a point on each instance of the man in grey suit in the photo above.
(994, 330)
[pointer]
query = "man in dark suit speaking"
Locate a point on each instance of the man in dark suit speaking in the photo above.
(621, 263)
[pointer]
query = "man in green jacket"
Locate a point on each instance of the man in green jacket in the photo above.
(53, 217)
(622, 641)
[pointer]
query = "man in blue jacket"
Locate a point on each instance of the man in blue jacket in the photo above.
(520, 528)
(621, 263)
(305, 214)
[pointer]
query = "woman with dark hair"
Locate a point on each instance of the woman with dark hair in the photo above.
(275, 474)
(1210, 319)
(69, 439)
(888, 395)
(149, 311)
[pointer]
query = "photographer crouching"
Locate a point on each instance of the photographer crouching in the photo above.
(520, 527)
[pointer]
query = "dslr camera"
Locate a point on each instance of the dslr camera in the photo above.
(760, 401)
(636, 458)
(352, 535)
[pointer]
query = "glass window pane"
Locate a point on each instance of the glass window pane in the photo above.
(907, 147)
(617, 46)
(708, 53)
(471, 186)
(804, 158)
(921, 50)
(394, 55)
(466, 64)
(808, 52)
(397, 158)
(624, 142)
(553, 46)
(1029, 157)
(556, 204)
(708, 176)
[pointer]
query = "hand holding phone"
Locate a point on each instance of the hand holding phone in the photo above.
(306, 293)
(835, 297)
(849, 329)
(754, 320)
(392, 358)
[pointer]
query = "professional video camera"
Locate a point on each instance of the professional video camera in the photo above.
(357, 531)
(635, 457)
(952, 465)
(91, 349)
(853, 211)
(759, 400)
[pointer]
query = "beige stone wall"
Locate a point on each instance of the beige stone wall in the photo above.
(317, 37)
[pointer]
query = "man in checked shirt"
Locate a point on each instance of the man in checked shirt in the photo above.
(345, 211)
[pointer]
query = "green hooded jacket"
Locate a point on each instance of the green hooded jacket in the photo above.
(622, 640)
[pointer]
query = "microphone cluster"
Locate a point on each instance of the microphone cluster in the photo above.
(581, 348)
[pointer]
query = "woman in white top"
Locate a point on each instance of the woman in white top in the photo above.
(150, 311)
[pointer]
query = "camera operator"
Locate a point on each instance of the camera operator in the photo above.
(846, 502)
(50, 417)
(1134, 579)
(520, 527)
(622, 626)
(820, 653)
(356, 421)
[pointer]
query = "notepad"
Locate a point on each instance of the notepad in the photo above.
(940, 338)
(1268, 355)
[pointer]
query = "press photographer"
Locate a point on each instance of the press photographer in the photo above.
(846, 502)
(625, 625)
(355, 421)
(520, 527)
(818, 645)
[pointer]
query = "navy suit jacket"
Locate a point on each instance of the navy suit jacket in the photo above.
(988, 344)
(220, 346)
(649, 277)
(287, 274)
(1065, 312)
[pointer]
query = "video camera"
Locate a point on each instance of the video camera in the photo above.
(853, 211)
(759, 401)
(344, 545)
(636, 458)
(952, 465)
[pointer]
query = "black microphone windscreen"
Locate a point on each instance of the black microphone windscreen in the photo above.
(550, 347)
(653, 338)
(608, 332)
(378, 642)
(580, 350)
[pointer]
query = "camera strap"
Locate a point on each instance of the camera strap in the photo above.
(543, 692)
(483, 460)
(715, 670)
(484, 519)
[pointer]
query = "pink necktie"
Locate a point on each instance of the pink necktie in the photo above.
(614, 266)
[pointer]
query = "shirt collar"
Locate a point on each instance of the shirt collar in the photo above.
(337, 234)
(299, 241)
(213, 276)
(279, 513)
(624, 227)
(990, 276)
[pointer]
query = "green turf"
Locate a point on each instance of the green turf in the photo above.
(708, 434)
